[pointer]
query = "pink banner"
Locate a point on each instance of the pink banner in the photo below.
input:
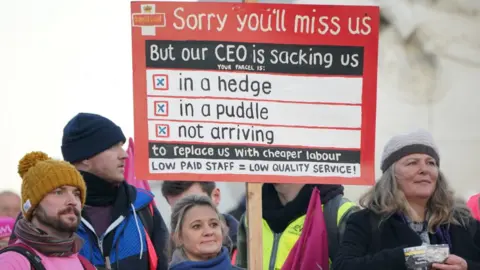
(311, 249)
(474, 205)
(130, 169)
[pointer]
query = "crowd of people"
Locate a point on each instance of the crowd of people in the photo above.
(80, 213)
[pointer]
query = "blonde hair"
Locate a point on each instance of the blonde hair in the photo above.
(179, 211)
(386, 198)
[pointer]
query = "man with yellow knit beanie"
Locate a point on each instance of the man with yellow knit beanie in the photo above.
(53, 194)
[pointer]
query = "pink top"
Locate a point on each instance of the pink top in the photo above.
(15, 261)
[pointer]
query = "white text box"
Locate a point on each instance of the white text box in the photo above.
(268, 113)
(282, 87)
(321, 138)
(205, 166)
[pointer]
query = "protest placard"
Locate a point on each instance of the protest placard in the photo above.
(255, 93)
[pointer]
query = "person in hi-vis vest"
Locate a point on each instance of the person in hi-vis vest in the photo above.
(284, 207)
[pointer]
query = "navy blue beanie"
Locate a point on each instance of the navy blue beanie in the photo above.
(87, 135)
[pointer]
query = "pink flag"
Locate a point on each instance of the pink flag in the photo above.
(130, 169)
(311, 250)
(474, 205)
(6, 226)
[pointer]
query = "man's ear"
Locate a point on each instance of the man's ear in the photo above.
(86, 162)
(83, 165)
(216, 196)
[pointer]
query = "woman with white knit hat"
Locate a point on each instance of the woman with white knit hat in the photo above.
(411, 205)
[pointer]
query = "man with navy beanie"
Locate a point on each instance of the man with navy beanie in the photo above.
(121, 226)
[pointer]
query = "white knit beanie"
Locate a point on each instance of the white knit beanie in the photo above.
(418, 142)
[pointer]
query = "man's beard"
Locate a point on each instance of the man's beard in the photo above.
(56, 222)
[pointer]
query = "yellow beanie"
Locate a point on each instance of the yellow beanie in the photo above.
(41, 175)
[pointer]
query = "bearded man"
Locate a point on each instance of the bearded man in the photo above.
(53, 194)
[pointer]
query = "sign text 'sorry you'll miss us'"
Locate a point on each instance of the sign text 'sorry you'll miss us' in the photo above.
(263, 93)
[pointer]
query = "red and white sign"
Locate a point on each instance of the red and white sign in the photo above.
(255, 92)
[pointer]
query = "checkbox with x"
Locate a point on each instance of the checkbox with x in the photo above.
(160, 108)
(162, 130)
(160, 82)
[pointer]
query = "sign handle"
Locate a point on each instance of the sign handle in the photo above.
(254, 219)
(254, 228)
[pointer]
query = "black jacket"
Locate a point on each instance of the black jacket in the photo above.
(363, 249)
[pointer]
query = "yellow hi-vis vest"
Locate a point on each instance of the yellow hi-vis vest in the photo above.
(277, 246)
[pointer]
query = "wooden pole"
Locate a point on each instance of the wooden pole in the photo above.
(254, 220)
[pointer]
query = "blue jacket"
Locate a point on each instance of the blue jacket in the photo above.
(221, 262)
(124, 242)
